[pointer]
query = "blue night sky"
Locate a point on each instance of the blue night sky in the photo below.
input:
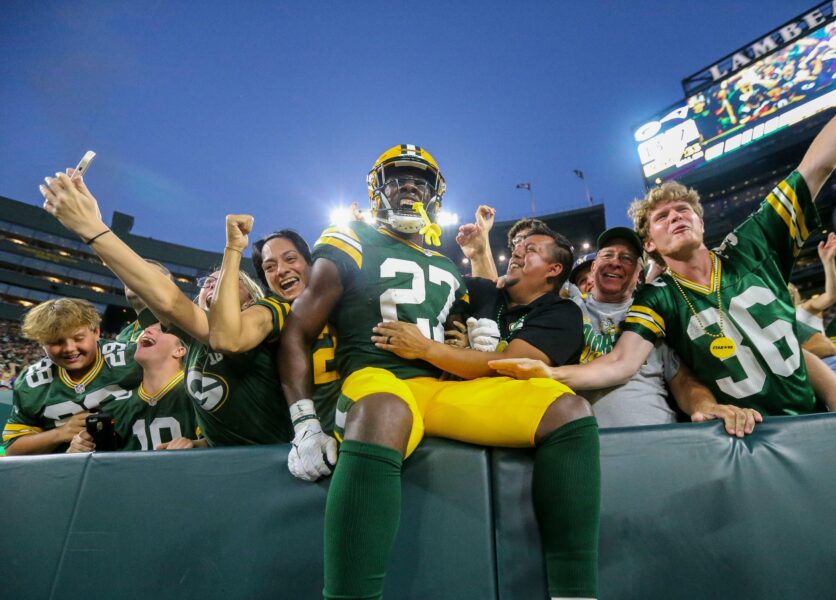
(278, 109)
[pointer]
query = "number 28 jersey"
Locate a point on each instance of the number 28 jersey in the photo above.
(45, 396)
(387, 278)
(767, 371)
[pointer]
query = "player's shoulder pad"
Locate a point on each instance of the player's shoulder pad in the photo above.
(344, 238)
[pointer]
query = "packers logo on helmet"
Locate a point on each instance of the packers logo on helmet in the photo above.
(405, 173)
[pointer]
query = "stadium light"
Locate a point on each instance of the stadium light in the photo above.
(465, 261)
(447, 219)
(585, 245)
(501, 258)
(340, 216)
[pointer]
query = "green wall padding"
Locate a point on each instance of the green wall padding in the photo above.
(690, 513)
(227, 523)
(687, 513)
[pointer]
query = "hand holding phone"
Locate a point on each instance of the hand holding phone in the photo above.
(102, 428)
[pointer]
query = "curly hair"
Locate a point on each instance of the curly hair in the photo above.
(670, 191)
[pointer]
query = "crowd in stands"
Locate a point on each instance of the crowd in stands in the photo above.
(382, 338)
(16, 353)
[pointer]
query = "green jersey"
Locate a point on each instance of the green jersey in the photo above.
(161, 417)
(237, 397)
(130, 333)
(326, 380)
(749, 279)
(45, 396)
(387, 278)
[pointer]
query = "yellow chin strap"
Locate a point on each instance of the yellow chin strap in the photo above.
(431, 231)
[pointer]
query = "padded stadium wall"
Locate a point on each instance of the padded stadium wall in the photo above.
(688, 512)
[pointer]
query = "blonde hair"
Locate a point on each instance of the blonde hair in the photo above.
(54, 319)
(256, 293)
(670, 191)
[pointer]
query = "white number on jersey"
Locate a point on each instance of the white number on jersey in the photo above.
(61, 412)
(762, 338)
(156, 427)
(39, 374)
(416, 294)
(114, 354)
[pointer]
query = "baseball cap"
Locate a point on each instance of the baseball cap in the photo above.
(584, 260)
(624, 233)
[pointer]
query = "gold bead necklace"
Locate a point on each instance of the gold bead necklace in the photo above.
(722, 347)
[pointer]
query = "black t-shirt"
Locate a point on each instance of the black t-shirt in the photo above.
(551, 324)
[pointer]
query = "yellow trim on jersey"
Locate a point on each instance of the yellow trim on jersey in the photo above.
(347, 231)
(716, 265)
(65, 378)
(343, 239)
(790, 194)
(647, 317)
(13, 430)
(784, 201)
(154, 398)
(281, 309)
(413, 245)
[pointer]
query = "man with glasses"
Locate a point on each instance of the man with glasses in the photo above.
(643, 399)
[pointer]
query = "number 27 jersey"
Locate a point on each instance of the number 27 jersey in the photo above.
(387, 278)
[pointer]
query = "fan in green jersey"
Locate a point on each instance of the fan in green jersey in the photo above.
(159, 414)
(283, 262)
(726, 312)
(80, 373)
(237, 396)
(378, 285)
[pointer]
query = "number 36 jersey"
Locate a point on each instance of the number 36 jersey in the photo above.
(45, 396)
(387, 278)
(767, 371)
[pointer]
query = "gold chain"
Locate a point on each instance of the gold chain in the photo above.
(716, 283)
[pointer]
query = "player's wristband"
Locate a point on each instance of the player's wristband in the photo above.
(302, 411)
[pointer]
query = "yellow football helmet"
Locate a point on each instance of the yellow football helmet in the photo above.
(398, 167)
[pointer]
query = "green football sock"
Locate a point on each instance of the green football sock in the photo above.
(567, 500)
(362, 514)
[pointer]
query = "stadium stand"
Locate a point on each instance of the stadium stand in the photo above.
(39, 260)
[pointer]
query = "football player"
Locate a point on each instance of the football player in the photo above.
(726, 312)
(363, 275)
(81, 373)
(237, 396)
(159, 414)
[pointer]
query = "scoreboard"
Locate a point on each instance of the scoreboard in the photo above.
(771, 95)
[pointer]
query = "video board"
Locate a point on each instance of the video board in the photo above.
(785, 88)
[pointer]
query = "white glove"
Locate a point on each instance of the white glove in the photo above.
(483, 334)
(314, 453)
